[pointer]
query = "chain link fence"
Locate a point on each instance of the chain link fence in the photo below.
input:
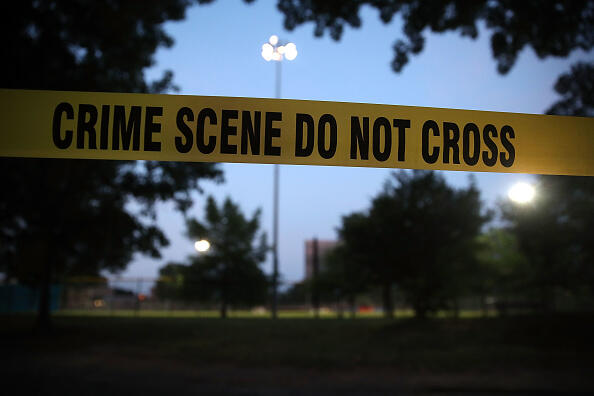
(140, 296)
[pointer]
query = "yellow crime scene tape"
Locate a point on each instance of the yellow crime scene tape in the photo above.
(122, 126)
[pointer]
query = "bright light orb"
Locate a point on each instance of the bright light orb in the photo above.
(267, 51)
(290, 51)
(202, 245)
(273, 39)
(521, 193)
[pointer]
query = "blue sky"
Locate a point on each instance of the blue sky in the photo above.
(217, 52)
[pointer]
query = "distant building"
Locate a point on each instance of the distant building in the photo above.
(324, 246)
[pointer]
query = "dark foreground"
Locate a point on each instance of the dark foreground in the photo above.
(152, 356)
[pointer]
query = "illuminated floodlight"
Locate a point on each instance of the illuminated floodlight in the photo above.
(267, 51)
(202, 245)
(522, 193)
(273, 50)
(290, 51)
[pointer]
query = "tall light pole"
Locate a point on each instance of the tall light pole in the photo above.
(276, 51)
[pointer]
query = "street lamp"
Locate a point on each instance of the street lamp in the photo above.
(522, 193)
(202, 246)
(276, 51)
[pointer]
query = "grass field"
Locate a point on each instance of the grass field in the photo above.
(254, 314)
(149, 354)
(240, 314)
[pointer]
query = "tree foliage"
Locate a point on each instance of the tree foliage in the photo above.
(342, 276)
(169, 286)
(501, 269)
(420, 235)
(85, 45)
(66, 217)
(435, 228)
(554, 233)
(550, 28)
(295, 295)
(577, 92)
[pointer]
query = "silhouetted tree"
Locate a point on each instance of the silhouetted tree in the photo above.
(369, 253)
(577, 91)
(419, 234)
(555, 231)
(551, 27)
(365, 253)
(295, 295)
(344, 274)
(171, 281)
(500, 270)
(70, 217)
(229, 273)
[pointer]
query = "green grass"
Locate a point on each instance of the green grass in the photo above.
(243, 314)
(154, 353)
(249, 314)
(441, 344)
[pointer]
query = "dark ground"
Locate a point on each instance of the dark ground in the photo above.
(529, 355)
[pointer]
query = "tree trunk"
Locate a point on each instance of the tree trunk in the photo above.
(387, 300)
(44, 321)
(224, 291)
(352, 306)
(483, 303)
(420, 312)
(315, 295)
(420, 307)
(456, 306)
(547, 300)
(339, 306)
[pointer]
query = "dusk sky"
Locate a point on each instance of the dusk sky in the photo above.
(217, 52)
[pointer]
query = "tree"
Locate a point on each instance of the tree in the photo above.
(500, 269)
(359, 263)
(434, 239)
(369, 254)
(296, 294)
(419, 234)
(577, 91)
(230, 273)
(554, 232)
(343, 275)
(170, 283)
(551, 28)
(70, 217)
